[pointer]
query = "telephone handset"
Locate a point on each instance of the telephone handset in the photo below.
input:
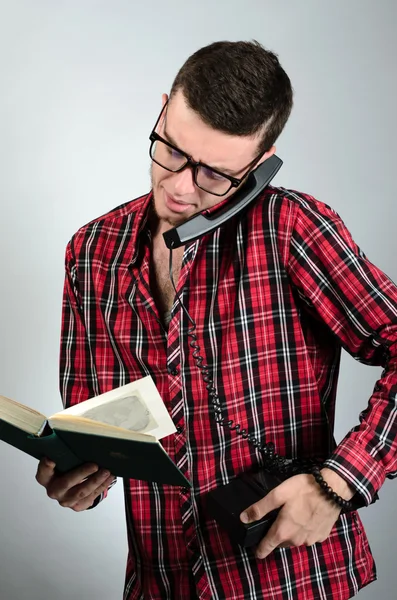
(205, 222)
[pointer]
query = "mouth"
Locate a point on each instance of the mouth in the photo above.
(176, 206)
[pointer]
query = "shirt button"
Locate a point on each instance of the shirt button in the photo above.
(172, 371)
(179, 429)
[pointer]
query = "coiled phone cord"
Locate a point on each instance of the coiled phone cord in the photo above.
(272, 461)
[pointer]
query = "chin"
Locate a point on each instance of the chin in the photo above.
(164, 214)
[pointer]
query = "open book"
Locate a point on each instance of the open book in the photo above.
(118, 430)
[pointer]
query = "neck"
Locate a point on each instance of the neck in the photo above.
(158, 226)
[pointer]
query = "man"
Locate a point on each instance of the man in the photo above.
(274, 293)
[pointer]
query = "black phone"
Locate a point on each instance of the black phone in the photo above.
(205, 222)
(225, 503)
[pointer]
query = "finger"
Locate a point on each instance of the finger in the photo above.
(45, 471)
(272, 540)
(79, 492)
(61, 484)
(88, 501)
(271, 501)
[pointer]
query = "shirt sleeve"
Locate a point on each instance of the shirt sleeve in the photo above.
(78, 377)
(358, 302)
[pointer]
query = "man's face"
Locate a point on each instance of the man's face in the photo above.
(176, 197)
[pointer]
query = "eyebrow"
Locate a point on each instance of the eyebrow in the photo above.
(170, 139)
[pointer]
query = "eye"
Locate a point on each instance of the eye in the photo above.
(210, 174)
(174, 153)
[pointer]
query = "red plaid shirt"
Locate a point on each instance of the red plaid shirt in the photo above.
(275, 294)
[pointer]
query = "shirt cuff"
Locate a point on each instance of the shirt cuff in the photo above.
(365, 474)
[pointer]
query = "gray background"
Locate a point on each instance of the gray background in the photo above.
(81, 85)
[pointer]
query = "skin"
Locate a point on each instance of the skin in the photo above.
(76, 489)
(307, 516)
(214, 148)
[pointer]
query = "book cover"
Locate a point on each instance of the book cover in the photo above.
(118, 430)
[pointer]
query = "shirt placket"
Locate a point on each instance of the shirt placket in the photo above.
(176, 406)
(186, 498)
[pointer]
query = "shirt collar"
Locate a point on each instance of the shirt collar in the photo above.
(142, 212)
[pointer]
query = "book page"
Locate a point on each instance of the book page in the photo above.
(88, 426)
(136, 407)
(21, 416)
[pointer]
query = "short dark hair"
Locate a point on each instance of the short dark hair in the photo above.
(239, 88)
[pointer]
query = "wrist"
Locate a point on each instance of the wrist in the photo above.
(337, 483)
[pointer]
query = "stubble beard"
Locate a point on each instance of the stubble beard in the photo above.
(157, 217)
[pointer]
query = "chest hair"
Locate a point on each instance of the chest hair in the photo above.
(161, 285)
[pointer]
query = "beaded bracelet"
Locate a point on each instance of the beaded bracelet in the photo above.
(329, 492)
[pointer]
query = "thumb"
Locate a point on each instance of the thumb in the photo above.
(274, 499)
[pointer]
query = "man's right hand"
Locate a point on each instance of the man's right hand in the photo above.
(76, 489)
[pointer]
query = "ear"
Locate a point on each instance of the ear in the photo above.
(267, 155)
(164, 99)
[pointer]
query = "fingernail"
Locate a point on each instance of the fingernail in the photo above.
(259, 555)
(105, 474)
(244, 517)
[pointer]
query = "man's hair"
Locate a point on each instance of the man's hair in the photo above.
(239, 88)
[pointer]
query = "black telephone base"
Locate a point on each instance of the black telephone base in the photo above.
(226, 503)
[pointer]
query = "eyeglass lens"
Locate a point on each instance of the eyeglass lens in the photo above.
(172, 160)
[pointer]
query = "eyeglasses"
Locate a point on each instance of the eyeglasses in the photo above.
(207, 178)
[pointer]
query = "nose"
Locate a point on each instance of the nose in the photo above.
(184, 182)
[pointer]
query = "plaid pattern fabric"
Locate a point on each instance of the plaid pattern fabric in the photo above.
(276, 293)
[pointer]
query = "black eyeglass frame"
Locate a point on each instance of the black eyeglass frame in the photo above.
(234, 182)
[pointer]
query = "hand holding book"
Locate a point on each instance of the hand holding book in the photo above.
(76, 489)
